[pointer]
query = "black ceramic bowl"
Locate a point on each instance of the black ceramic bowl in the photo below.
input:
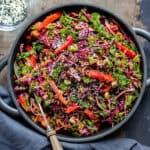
(70, 7)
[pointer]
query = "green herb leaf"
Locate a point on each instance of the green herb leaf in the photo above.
(82, 16)
(51, 30)
(85, 105)
(130, 99)
(118, 117)
(137, 59)
(95, 20)
(23, 69)
(88, 122)
(56, 72)
(75, 98)
(73, 48)
(66, 19)
(47, 103)
(91, 60)
(112, 50)
(50, 95)
(37, 46)
(123, 80)
(103, 114)
(52, 55)
(67, 82)
(136, 67)
(25, 55)
(67, 30)
(86, 79)
(38, 99)
(130, 45)
(91, 39)
(63, 86)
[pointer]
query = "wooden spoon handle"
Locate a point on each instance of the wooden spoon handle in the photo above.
(56, 145)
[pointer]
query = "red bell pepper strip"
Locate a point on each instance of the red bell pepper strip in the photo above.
(126, 50)
(21, 99)
(95, 74)
(106, 88)
(49, 19)
(32, 57)
(23, 102)
(114, 28)
(72, 108)
(28, 48)
(58, 92)
(90, 114)
(65, 45)
(47, 51)
(33, 60)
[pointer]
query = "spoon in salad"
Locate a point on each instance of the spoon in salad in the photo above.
(51, 134)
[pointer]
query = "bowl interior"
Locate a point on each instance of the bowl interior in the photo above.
(74, 7)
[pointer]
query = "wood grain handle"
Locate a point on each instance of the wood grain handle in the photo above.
(56, 145)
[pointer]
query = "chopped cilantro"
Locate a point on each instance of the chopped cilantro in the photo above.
(56, 72)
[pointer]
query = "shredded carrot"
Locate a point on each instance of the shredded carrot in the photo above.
(72, 108)
(41, 120)
(58, 92)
